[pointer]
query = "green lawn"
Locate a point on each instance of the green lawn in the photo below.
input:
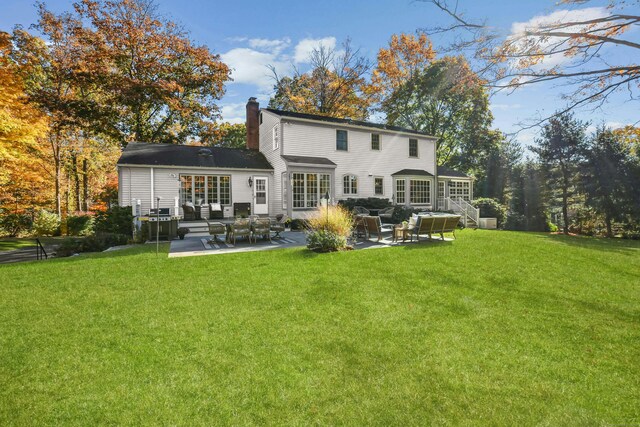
(11, 243)
(496, 328)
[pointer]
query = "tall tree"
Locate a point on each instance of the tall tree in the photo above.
(163, 88)
(609, 177)
(527, 204)
(494, 179)
(529, 54)
(406, 56)
(22, 131)
(231, 135)
(335, 86)
(560, 148)
(446, 100)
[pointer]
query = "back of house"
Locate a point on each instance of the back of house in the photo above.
(291, 162)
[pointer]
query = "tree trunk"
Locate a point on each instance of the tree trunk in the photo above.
(607, 221)
(85, 188)
(76, 180)
(565, 200)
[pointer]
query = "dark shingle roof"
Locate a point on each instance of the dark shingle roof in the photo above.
(445, 171)
(190, 156)
(309, 160)
(417, 172)
(344, 121)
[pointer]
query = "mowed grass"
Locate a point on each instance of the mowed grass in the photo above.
(496, 328)
(12, 243)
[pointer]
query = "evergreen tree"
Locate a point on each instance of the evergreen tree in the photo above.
(561, 149)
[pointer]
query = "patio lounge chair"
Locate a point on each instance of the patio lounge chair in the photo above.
(424, 226)
(448, 227)
(374, 226)
(261, 227)
(189, 211)
(278, 225)
(386, 214)
(361, 210)
(359, 226)
(216, 228)
(241, 228)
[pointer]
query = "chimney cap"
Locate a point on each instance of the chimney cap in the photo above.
(253, 99)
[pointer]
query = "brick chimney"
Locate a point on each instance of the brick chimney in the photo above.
(253, 112)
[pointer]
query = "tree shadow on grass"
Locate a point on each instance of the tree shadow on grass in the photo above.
(594, 243)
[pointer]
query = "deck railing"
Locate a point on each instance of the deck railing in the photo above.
(460, 207)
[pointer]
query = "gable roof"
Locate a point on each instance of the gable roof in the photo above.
(360, 123)
(445, 171)
(413, 172)
(137, 153)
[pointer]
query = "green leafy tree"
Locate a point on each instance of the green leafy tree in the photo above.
(527, 207)
(609, 177)
(446, 100)
(561, 149)
(231, 135)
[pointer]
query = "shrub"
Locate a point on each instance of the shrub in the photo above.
(80, 225)
(116, 220)
(97, 243)
(13, 224)
(46, 224)
(298, 224)
(369, 203)
(329, 229)
(325, 241)
(491, 208)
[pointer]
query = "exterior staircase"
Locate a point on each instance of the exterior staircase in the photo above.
(470, 215)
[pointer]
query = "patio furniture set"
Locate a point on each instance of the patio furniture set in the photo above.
(424, 224)
(251, 228)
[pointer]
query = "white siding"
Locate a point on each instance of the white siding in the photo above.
(319, 140)
(167, 184)
(270, 120)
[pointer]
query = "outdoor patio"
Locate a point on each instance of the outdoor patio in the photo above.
(202, 243)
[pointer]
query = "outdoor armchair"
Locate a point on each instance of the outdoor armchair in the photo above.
(361, 210)
(278, 225)
(261, 227)
(386, 214)
(374, 226)
(241, 228)
(189, 211)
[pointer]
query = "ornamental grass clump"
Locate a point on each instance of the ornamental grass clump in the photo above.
(329, 229)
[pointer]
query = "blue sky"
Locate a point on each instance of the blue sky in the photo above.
(251, 34)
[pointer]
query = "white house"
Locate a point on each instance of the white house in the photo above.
(290, 163)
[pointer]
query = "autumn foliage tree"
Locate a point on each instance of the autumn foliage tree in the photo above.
(22, 131)
(335, 86)
(231, 135)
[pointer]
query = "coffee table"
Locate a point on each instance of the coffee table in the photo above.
(402, 232)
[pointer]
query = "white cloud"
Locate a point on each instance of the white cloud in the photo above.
(250, 66)
(505, 107)
(609, 125)
(518, 29)
(305, 46)
(233, 113)
(275, 46)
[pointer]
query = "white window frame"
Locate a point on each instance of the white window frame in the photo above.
(460, 188)
(347, 140)
(417, 156)
(398, 200)
(275, 136)
(192, 189)
(427, 193)
(351, 181)
(379, 142)
(310, 202)
(374, 185)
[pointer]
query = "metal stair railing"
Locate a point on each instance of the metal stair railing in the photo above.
(41, 253)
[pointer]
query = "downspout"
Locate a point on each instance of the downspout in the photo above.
(152, 188)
